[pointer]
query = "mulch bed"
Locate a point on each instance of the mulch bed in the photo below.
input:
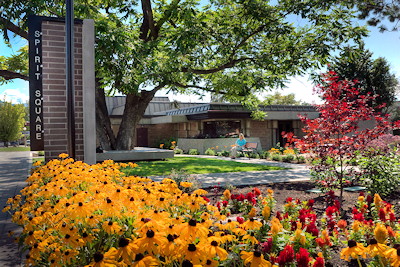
(297, 190)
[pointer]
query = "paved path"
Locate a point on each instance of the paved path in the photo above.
(294, 173)
(14, 169)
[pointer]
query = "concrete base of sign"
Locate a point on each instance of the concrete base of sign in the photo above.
(139, 153)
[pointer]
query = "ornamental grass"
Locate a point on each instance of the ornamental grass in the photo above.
(74, 214)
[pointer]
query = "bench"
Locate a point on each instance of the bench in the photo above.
(250, 147)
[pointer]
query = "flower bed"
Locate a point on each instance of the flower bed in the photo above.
(74, 214)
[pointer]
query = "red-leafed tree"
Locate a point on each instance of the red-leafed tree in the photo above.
(334, 138)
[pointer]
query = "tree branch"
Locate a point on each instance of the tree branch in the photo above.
(198, 87)
(13, 28)
(227, 65)
(9, 75)
(258, 30)
(148, 26)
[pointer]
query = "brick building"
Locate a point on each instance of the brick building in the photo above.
(216, 123)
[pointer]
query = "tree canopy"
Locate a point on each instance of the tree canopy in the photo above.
(11, 121)
(280, 99)
(373, 75)
(233, 48)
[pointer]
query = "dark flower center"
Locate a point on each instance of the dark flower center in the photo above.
(139, 257)
(192, 222)
(373, 241)
(150, 233)
(67, 236)
(109, 201)
(187, 263)
(257, 253)
(214, 243)
(98, 257)
(170, 238)
(192, 247)
(110, 223)
(123, 242)
(351, 243)
(84, 235)
(80, 204)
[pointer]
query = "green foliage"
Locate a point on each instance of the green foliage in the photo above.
(166, 143)
(279, 99)
(276, 157)
(223, 153)
(287, 158)
(194, 151)
(380, 173)
(210, 152)
(265, 154)
(41, 153)
(16, 63)
(11, 121)
(178, 151)
(373, 75)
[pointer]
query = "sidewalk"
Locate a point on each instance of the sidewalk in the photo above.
(14, 169)
(294, 173)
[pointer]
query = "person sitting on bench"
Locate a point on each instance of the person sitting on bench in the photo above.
(239, 145)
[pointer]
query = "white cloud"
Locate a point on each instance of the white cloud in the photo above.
(14, 96)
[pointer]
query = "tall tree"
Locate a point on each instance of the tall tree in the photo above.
(11, 121)
(373, 75)
(234, 48)
(280, 99)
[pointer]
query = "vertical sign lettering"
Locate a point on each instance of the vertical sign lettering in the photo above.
(35, 82)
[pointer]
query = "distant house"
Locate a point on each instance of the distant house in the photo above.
(165, 119)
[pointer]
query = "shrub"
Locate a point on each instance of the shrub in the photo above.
(181, 177)
(301, 159)
(41, 153)
(265, 154)
(178, 151)
(380, 173)
(276, 157)
(168, 143)
(194, 151)
(288, 158)
(223, 153)
(209, 152)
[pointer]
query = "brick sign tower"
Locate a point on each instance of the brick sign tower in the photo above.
(47, 87)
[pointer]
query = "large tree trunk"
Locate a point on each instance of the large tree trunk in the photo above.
(135, 107)
(104, 131)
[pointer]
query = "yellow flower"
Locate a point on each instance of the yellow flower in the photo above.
(377, 201)
(376, 249)
(252, 224)
(266, 212)
(227, 195)
(276, 226)
(186, 184)
(381, 233)
(353, 251)
(111, 227)
(253, 212)
(255, 259)
(211, 248)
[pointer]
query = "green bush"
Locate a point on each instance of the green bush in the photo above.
(301, 159)
(380, 174)
(178, 151)
(166, 143)
(41, 153)
(265, 155)
(276, 157)
(194, 151)
(223, 153)
(287, 158)
(210, 152)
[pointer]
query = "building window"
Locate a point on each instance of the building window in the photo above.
(215, 129)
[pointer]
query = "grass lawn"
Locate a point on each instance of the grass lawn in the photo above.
(194, 165)
(13, 149)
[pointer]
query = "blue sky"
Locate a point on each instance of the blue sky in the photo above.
(381, 44)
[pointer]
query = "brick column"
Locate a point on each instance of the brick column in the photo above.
(54, 89)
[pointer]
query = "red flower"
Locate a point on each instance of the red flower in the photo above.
(289, 199)
(256, 191)
(285, 256)
(240, 220)
(331, 210)
(302, 258)
(266, 246)
(225, 203)
(312, 229)
(392, 218)
(310, 203)
(319, 262)
(206, 198)
(382, 215)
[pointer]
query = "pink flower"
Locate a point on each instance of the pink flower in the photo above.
(267, 246)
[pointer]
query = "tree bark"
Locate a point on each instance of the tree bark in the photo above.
(135, 107)
(103, 124)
